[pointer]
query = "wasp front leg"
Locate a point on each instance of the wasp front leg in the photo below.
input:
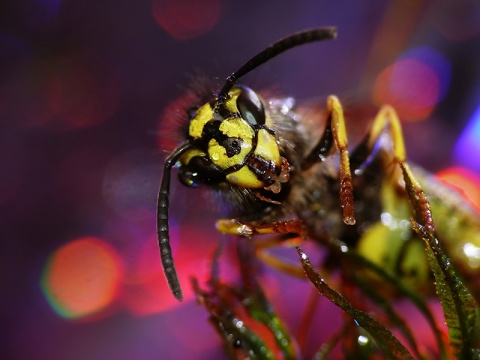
(249, 229)
(291, 233)
(335, 134)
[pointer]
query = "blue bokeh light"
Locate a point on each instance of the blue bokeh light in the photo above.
(467, 149)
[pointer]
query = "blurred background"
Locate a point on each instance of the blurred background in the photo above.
(83, 85)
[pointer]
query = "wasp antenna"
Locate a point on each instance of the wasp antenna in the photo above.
(291, 41)
(162, 223)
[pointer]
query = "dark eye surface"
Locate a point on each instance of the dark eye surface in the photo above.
(251, 107)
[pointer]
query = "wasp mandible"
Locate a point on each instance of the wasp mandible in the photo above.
(278, 177)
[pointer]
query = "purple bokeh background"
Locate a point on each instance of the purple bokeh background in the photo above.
(83, 85)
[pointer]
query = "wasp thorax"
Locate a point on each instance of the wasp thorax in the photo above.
(233, 143)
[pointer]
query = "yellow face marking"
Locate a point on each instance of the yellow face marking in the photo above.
(206, 113)
(219, 157)
(244, 177)
(267, 147)
(185, 158)
(238, 128)
(233, 128)
(231, 103)
(203, 115)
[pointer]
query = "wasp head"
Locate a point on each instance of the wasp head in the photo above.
(232, 143)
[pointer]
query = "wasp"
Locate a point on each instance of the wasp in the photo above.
(372, 211)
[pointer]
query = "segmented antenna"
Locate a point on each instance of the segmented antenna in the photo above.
(162, 223)
(300, 38)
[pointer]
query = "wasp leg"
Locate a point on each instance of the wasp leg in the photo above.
(248, 229)
(335, 133)
(292, 233)
(293, 230)
(388, 120)
(283, 265)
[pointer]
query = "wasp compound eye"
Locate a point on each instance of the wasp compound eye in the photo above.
(251, 107)
(200, 170)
